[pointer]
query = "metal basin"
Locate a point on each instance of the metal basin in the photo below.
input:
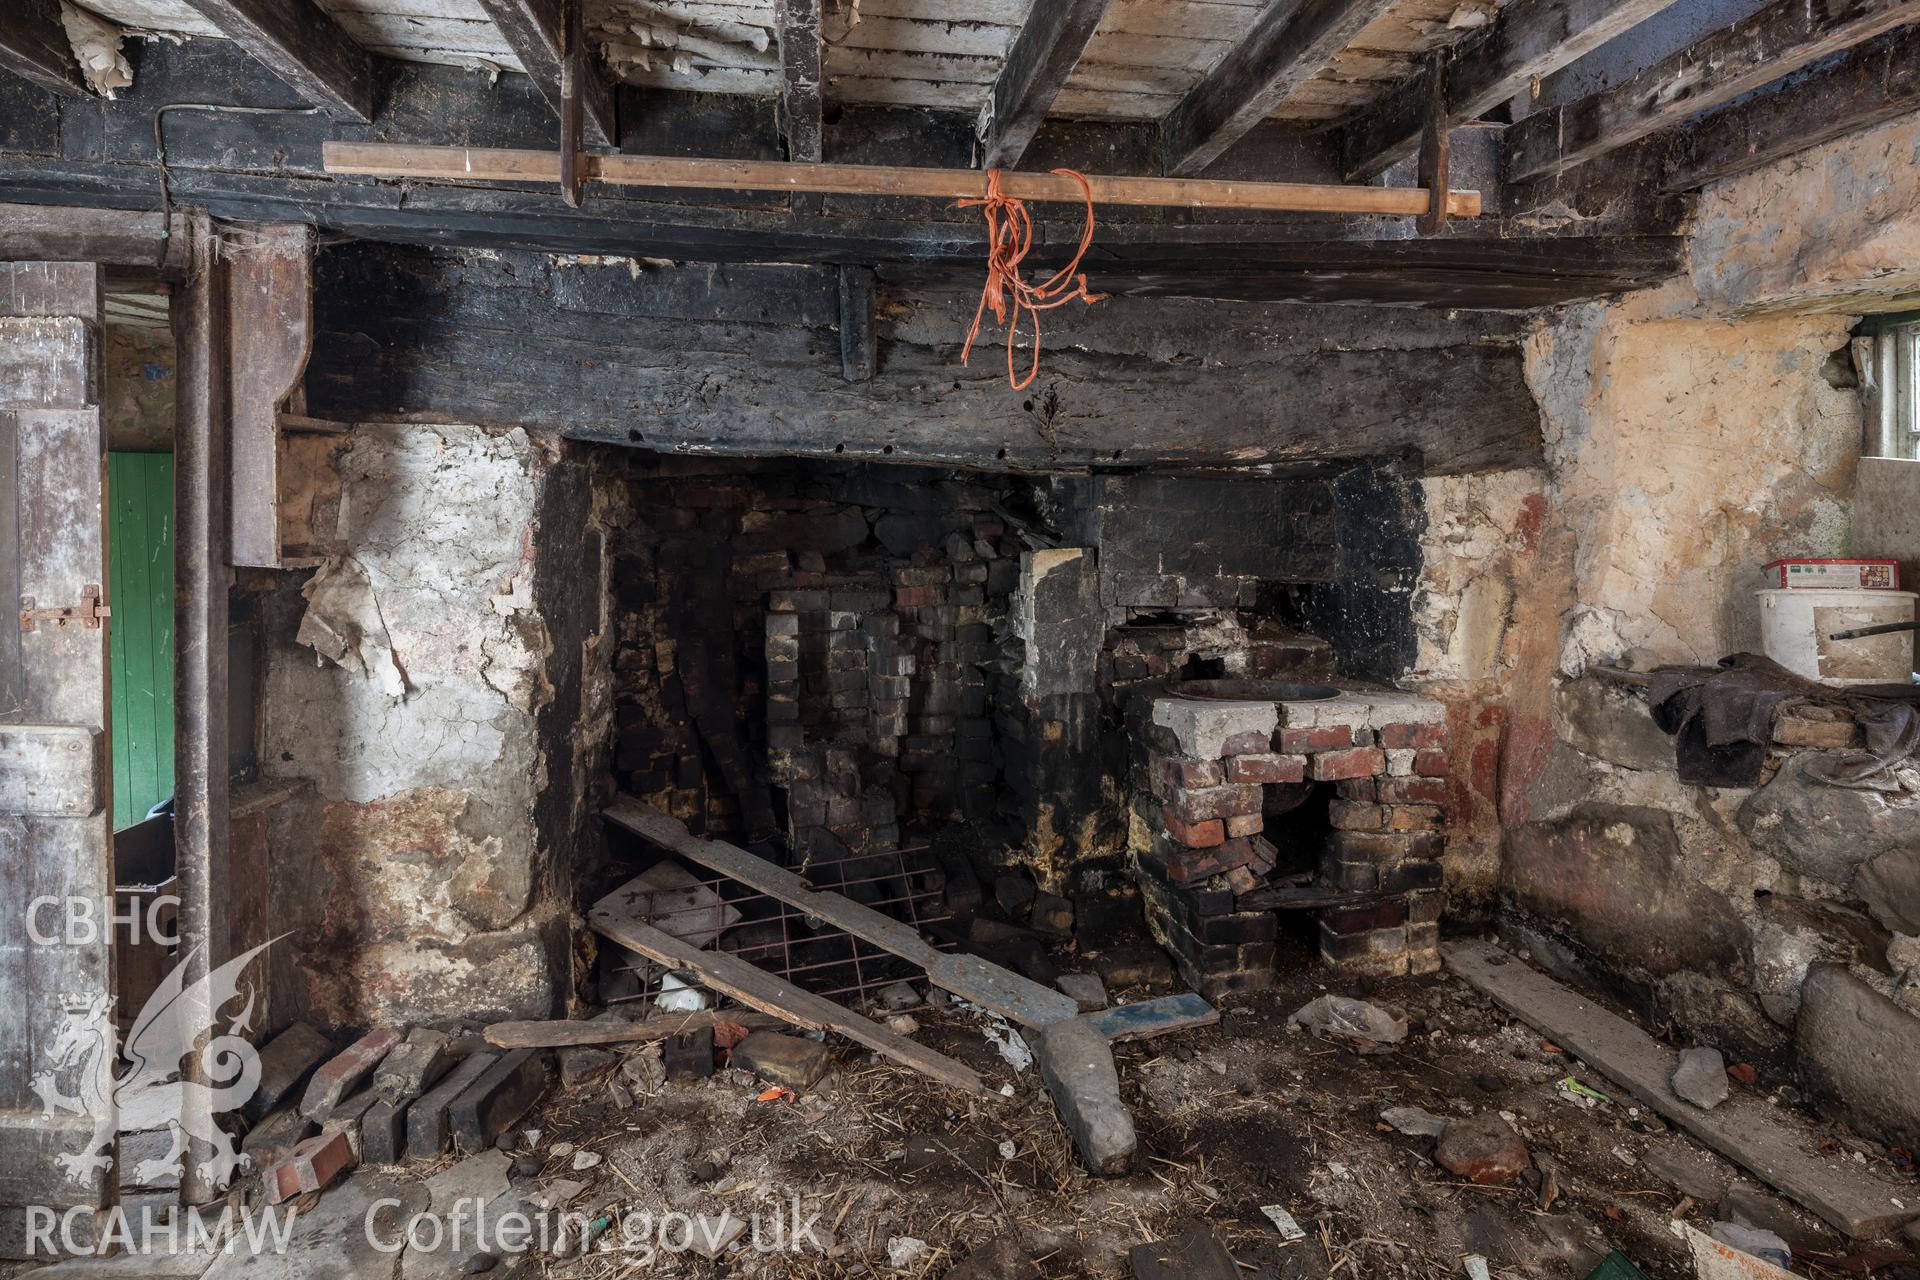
(1253, 691)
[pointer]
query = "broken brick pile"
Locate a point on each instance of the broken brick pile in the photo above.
(1198, 841)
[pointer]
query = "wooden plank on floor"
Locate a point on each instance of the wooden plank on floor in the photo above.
(969, 977)
(730, 975)
(1744, 1128)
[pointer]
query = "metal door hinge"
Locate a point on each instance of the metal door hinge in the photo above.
(87, 613)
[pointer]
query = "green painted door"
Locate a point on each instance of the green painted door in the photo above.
(140, 589)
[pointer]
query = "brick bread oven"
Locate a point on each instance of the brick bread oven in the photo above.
(1207, 775)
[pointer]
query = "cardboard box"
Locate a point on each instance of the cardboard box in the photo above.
(1831, 575)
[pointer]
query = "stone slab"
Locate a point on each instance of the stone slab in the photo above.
(414, 1065)
(1077, 1065)
(1744, 1129)
(786, 1060)
(1196, 1255)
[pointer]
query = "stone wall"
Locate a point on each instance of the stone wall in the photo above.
(414, 878)
(1692, 433)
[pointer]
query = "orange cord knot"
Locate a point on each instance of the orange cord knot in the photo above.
(1009, 237)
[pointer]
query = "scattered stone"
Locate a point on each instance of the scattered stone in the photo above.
(585, 1160)
(896, 997)
(1482, 1149)
(688, 1056)
(1086, 989)
(1015, 894)
(1857, 1051)
(1135, 966)
(342, 1073)
(905, 1251)
(527, 1166)
(712, 1238)
(902, 1024)
(1197, 1255)
(1415, 1120)
(506, 1141)
(556, 1195)
(703, 1171)
(580, 1066)
(1052, 915)
(783, 1059)
(1001, 1258)
(1077, 1065)
(285, 1064)
(1701, 1077)
(479, 1264)
(1750, 1206)
(478, 1180)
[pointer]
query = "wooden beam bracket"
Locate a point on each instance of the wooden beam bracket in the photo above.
(573, 71)
(1435, 157)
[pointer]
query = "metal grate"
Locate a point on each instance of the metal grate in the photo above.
(781, 939)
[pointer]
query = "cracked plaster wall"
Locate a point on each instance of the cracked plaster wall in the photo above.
(416, 880)
(1692, 433)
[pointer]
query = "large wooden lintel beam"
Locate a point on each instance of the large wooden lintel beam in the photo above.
(1042, 57)
(302, 45)
(1713, 71)
(802, 83)
(1289, 43)
(110, 237)
(1871, 84)
(33, 46)
(1529, 39)
(536, 31)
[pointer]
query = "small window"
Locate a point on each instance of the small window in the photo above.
(1893, 387)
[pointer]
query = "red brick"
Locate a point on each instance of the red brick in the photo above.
(1266, 767)
(1415, 817)
(1328, 766)
(1167, 774)
(916, 597)
(1194, 835)
(310, 1166)
(1399, 737)
(1245, 824)
(1361, 789)
(1430, 764)
(1413, 790)
(1329, 738)
(334, 1080)
(1345, 815)
(1188, 865)
(1242, 744)
(1201, 803)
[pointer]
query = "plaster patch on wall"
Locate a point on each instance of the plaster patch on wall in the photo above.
(1479, 529)
(1836, 227)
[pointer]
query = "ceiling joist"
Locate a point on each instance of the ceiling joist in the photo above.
(1530, 39)
(1871, 84)
(34, 47)
(802, 83)
(1713, 71)
(536, 31)
(1043, 55)
(1290, 42)
(303, 47)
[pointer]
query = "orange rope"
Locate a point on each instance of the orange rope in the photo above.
(1009, 237)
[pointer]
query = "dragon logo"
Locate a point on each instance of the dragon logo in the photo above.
(176, 1021)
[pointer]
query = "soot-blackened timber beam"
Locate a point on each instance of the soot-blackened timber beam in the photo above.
(858, 341)
(1289, 43)
(536, 31)
(797, 27)
(1529, 39)
(1711, 72)
(33, 45)
(1869, 85)
(304, 47)
(1042, 57)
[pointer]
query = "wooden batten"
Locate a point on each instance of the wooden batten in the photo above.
(474, 164)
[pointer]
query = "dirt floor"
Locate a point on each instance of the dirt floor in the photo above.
(1231, 1118)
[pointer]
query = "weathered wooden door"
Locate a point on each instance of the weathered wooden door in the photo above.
(56, 881)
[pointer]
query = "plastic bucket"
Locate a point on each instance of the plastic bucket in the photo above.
(1796, 626)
